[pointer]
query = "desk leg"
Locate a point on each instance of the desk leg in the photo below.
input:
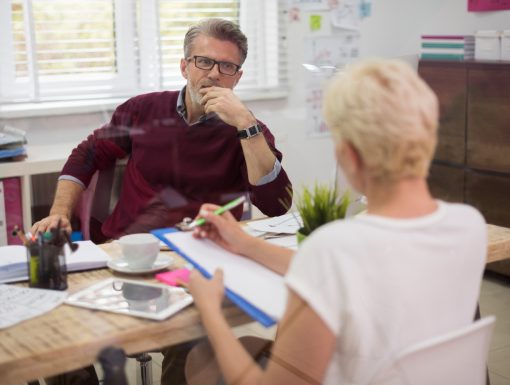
(26, 201)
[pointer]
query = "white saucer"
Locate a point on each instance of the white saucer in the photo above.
(161, 262)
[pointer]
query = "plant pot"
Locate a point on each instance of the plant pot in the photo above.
(300, 236)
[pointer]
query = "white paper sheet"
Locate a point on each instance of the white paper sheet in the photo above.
(260, 286)
(284, 224)
(289, 241)
(20, 303)
(347, 15)
(13, 260)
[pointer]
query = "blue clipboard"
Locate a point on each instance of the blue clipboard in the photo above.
(253, 311)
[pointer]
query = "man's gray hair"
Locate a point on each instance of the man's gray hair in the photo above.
(220, 29)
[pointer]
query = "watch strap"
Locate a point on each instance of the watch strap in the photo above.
(249, 132)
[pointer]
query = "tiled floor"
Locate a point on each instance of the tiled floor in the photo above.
(494, 299)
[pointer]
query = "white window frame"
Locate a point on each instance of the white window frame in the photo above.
(7, 76)
(124, 82)
(139, 67)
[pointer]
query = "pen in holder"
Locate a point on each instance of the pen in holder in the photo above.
(46, 259)
(46, 263)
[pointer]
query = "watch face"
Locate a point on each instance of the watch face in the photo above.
(253, 130)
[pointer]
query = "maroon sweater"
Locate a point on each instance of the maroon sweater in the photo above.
(173, 167)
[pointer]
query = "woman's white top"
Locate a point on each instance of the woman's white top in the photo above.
(383, 284)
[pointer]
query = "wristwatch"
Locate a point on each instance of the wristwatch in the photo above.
(249, 132)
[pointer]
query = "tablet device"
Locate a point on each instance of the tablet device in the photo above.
(139, 299)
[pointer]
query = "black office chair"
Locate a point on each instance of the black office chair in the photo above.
(94, 204)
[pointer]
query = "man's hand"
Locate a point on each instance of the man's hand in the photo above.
(227, 106)
(67, 195)
(51, 222)
(259, 158)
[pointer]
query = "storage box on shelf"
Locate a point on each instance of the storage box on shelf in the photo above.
(505, 45)
(447, 47)
(487, 45)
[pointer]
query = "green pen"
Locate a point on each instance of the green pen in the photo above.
(221, 210)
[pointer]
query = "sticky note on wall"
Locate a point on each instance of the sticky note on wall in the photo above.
(315, 22)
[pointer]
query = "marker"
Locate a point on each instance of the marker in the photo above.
(230, 205)
(20, 234)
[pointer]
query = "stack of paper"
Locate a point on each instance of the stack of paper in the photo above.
(284, 224)
(13, 260)
(447, 47)
(12, 141)
(20, 303)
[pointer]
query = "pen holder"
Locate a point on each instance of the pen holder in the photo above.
(46, 266)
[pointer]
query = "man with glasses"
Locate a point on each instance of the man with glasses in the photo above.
(200, 144)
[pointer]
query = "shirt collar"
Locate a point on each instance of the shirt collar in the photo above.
(181, 109)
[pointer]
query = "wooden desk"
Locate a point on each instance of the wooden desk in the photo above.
(498, 243)
(71, 337)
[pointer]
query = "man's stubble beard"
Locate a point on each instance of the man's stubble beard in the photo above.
(195, 96)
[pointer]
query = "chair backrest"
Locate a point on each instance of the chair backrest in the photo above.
(458, 357)
(95, 200)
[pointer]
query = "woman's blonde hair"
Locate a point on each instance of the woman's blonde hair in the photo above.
(388, 114)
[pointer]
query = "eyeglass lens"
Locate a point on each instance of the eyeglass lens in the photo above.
(224, 67)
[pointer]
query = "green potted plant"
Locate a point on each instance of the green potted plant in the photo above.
(318, 206)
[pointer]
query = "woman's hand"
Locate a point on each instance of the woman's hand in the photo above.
(223, 229)
(207, 293)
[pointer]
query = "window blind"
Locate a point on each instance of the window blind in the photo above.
(60, 49)
(175, 17)
(262, 21)
(63, 49)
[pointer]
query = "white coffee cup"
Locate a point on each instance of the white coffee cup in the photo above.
(139, 250)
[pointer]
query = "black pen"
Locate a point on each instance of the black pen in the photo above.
(73, 246)
(17, 232)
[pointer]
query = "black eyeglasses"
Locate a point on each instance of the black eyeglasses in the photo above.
(225, 67)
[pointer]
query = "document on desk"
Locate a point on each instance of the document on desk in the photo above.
(288, 241)
(254, 288)
(284, 224)
(13, 260)
(21, 303)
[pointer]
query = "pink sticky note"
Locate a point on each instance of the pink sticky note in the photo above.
(171, 277)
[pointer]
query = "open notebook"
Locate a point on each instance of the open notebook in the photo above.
(257, 290)
(13, 260)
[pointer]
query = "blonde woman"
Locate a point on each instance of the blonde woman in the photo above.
(364, 288)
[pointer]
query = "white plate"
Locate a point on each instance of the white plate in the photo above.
(161, 262)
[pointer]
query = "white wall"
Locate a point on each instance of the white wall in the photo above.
(395, 26)
(394, 29)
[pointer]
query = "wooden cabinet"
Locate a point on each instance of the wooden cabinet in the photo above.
(472, 160)
(488, 118)
(448, 80)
